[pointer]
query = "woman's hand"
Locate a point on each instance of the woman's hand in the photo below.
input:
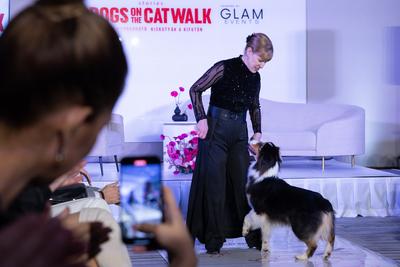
(111, 193)
(202, 127)
(172, 234)
(256, 136)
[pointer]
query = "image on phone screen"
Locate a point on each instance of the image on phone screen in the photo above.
(141, 201)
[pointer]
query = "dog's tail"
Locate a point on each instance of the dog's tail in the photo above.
(328, 233)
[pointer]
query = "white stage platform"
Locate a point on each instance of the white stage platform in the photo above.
(352, 191)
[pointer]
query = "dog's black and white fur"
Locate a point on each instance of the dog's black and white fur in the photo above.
(274, 201)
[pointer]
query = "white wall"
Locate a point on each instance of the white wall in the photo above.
(353, 55)
(17, 5)
(4, 14)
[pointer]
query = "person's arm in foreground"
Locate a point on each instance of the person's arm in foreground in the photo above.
(71, 177)
(173, 234)
(37, 240)
(111, 193)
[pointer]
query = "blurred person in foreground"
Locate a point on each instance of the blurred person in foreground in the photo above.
(62, 68)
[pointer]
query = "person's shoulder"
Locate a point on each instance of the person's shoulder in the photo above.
(234, 60)
(220, 65)
(227, 62)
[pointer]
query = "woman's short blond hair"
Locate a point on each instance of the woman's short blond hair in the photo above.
(260, 44)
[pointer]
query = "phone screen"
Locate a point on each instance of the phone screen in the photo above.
(141, 200)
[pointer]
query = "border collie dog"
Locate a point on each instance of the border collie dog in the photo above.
(273, 201)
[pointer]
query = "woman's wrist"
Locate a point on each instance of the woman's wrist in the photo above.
(256, 136)
(183, 254)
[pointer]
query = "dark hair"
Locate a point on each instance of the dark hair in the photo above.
(54, 54)
(260, 43)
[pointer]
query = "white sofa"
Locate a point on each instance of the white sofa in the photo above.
(313, 129)
(321, 130)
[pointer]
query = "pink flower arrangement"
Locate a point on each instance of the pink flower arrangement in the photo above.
(176, 95)
(182, 152)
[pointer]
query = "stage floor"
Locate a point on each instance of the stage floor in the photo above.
(352, 190)
(341, 183)
(291, 168)
(284, 246)
(379, 234)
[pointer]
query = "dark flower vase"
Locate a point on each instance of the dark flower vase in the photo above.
(185, 170)
(178, 116)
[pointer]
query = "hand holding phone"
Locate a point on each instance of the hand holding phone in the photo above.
(172, 234)
(141, 199)
(148, 227)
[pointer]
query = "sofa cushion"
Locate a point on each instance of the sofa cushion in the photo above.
(305, 140)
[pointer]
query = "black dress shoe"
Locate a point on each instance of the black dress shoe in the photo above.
(213, 252)
(253, 239)
(214, 245)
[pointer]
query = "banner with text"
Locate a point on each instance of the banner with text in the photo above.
(170, 44)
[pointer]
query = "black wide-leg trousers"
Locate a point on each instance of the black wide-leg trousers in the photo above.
(217, 200)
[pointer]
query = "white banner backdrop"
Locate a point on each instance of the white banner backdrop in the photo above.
(4, 14)
(171, 43)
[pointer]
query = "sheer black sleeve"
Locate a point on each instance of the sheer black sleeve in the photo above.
(255, 111)
(212, 76)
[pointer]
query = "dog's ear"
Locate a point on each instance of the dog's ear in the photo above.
(277, 150)
(255, 147)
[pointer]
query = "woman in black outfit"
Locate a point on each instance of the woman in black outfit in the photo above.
(217, 201)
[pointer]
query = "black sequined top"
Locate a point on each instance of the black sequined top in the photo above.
(233, 87)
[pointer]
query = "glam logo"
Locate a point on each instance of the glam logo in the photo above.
(235, 15)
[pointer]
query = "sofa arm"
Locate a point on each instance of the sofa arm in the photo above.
(344, 136)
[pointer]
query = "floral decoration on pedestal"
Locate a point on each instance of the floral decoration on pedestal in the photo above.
(181, 152)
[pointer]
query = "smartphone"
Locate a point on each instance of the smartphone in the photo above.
(141, 198)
